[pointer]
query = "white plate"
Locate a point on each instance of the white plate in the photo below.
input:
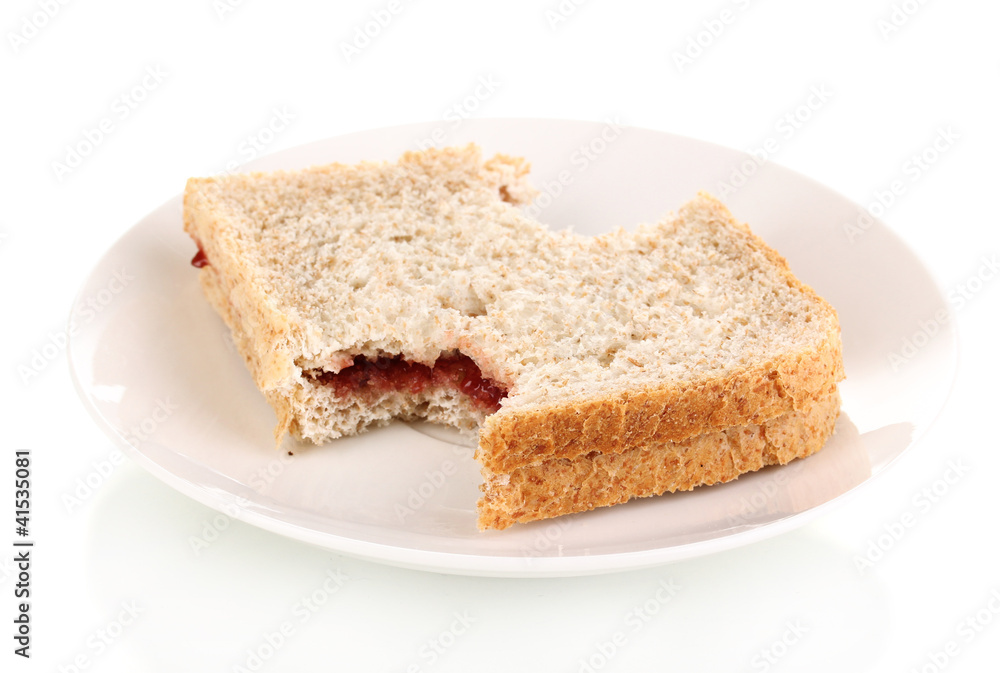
(156, 368)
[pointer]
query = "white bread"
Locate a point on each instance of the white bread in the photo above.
(623, 342)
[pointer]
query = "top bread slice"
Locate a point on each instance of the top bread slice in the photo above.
(605, 343)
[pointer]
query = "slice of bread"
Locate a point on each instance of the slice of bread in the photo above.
(418, 289)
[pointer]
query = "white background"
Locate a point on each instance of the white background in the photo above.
(223, 73)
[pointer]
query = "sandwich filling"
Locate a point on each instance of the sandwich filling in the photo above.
(200, 259)
(385, 374)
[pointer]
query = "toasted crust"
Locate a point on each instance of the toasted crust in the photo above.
(561, 486)
(629, 419)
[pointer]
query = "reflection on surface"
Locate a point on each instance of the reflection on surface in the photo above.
(221, 600)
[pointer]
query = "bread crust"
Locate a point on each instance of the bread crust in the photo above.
(627, 419)
(562, 486)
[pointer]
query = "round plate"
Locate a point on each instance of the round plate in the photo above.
(157, 369)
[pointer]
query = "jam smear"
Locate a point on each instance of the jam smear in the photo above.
(200, 259)
(394, 373)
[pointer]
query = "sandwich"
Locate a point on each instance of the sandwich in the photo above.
(590, 370)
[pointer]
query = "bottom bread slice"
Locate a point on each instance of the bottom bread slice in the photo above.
(561, 486)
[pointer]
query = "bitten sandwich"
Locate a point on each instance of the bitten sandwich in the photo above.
(593, 370)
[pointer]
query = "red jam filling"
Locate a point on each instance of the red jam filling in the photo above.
(200, 259)
(395, 373)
